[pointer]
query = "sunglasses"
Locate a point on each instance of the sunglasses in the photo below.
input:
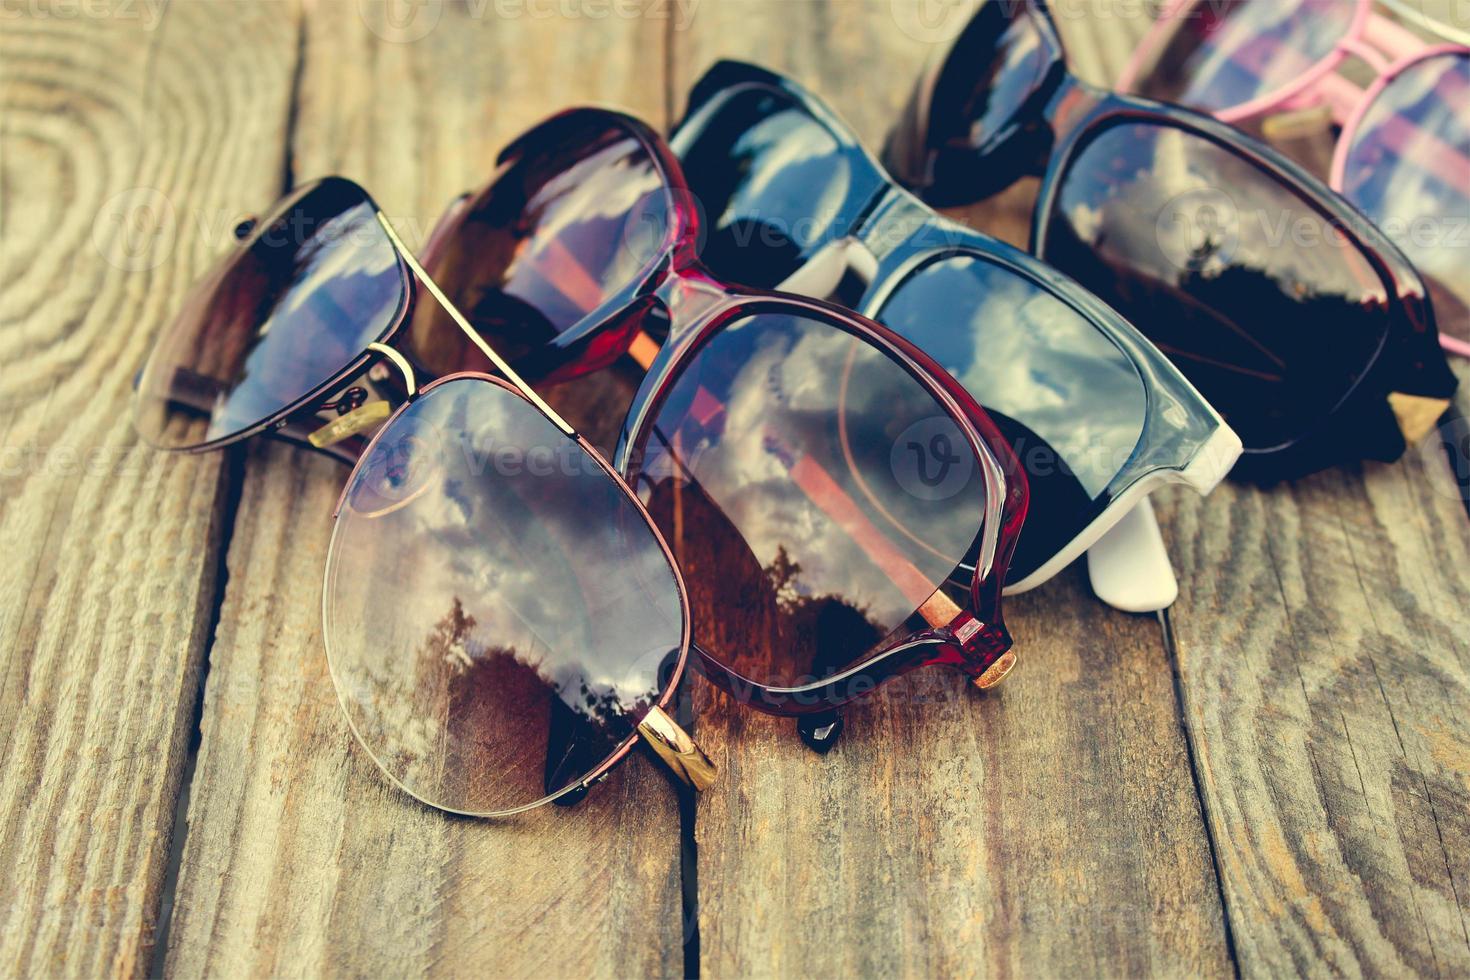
(1403, 155)
(1098, 417)
(1298, 319)
(768, 449)
(502, 619)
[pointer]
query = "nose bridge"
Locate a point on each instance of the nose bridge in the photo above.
(690, 297)
(895, 222)
(822, 276)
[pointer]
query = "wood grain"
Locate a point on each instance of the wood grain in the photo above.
(1311, 685)
(111, 144)
(1325, 679)
(301, 859)
(1323, 671)
(1051, 828)
(1321, 636)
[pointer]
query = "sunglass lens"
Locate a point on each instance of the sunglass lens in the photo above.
(1408, 168)
(313, 285)
(771, 181)
(1220, 56)
(972, 105)
(499, 613)
(579, 212)
(1069, 401)
(810, 483)
(1267, 307)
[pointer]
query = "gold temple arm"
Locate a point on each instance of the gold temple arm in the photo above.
(678, 751)
(470, 332)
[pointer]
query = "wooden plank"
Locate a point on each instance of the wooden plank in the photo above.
(1454, 432)
(1326, 678)
(1051, 828)
(110, 147)
(301, 859)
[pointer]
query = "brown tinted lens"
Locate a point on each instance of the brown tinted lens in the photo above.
(299, 302)
(1271, 310)
(498, 612)
(577, 216)
(814, 493)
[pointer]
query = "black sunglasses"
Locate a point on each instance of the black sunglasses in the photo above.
(1300, 321)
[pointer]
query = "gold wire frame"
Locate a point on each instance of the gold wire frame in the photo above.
(471, 332)
(674, 746)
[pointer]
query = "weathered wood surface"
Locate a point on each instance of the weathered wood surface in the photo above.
(117, 135)
(1277, 780)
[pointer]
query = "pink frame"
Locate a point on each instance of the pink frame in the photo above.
(1387, 47)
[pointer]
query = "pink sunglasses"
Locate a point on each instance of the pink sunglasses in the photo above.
(1403, 156)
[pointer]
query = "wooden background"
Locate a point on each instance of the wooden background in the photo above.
(1272, 778)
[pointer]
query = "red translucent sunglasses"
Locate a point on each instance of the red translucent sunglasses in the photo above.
(813, 471)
